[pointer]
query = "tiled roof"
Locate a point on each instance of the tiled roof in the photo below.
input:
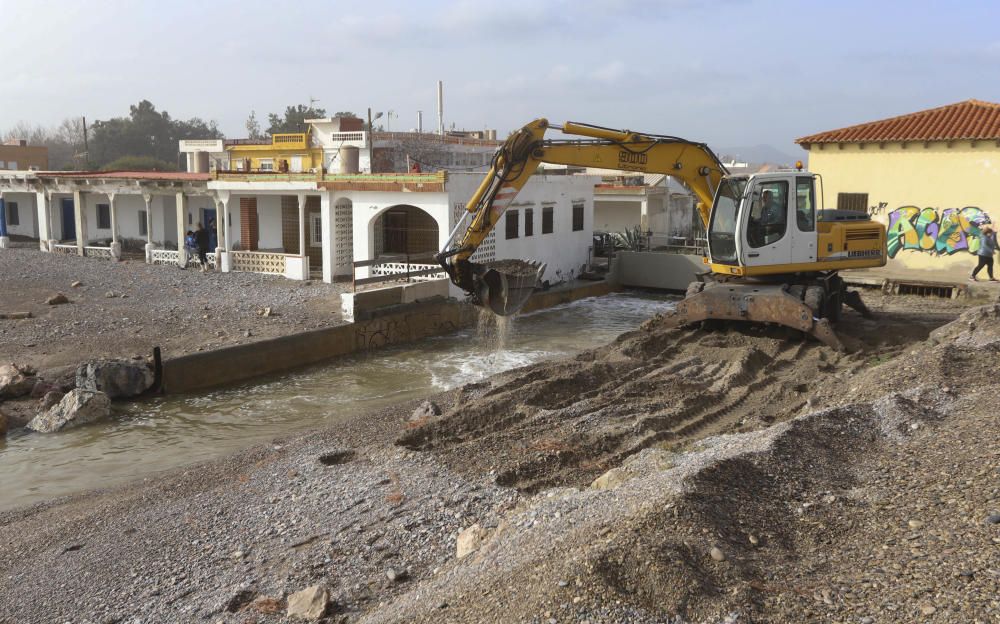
(182, 176)
(968, 120)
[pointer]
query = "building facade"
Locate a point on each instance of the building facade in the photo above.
(932, 177)
(17, 155)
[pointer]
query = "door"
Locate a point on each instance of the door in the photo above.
(804, 228)
(68, 219)
(767, 240)
(296, 165)
(208, 220)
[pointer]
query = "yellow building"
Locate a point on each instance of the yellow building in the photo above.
(292, 152)
(933, 177)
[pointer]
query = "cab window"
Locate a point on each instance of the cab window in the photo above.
(768, 219)
(805, 205)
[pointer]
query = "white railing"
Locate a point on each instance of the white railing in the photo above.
(98, 252)
(162, 256)
(397, 268)
(169, 256)
(257, 262)
(66, 249)
(344, 137)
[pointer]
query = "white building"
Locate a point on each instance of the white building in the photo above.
(297, 225)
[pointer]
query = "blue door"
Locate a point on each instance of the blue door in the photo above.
(208, 220)
(68, 219)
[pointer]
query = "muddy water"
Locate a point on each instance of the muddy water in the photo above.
(147, 437)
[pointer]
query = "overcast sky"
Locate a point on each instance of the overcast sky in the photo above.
(728, 72)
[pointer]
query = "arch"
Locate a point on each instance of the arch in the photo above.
(403, 229)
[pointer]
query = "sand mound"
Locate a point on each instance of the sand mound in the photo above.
(773, 525)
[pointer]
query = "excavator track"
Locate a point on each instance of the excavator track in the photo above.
(754, 302)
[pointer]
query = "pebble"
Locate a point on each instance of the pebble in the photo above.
(717, 554)
(993, 518)
(928, 609)
(915, 524)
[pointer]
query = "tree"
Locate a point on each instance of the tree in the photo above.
(253, 127)
(346, 114)
(65, 141)
(294, 119)
(139, 163)
(145, 132)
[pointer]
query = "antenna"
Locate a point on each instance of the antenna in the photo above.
(312, 101)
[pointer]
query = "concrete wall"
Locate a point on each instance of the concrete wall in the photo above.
(920, 175)
(27, 214)
(616, 216)
(657, 270)
(232, 364)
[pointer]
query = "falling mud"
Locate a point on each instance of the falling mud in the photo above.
(493, 330)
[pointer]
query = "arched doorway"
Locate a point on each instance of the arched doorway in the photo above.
(405, 230)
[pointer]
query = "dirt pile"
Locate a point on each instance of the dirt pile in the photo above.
(566, 422)
(874, 509)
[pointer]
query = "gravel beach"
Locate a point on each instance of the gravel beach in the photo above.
(874, 498)
(121, 309)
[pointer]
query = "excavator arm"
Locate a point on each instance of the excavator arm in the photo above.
(517, 160)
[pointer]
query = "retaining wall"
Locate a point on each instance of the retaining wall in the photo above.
(666, 271)
(228, 365)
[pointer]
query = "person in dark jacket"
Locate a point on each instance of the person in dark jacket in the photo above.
(987, 247)
(201, 239)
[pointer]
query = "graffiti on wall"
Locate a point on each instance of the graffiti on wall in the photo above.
(938, 232)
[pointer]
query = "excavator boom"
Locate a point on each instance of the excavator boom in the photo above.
(519, 158)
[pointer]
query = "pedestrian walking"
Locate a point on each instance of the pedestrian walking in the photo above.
(201, 240)
(987, 247)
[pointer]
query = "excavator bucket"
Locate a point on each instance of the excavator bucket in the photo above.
(759, 303)
(505, 286)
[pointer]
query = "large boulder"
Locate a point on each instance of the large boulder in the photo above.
(16, 380)
(78, 407)
(309, 604)
(115, 378)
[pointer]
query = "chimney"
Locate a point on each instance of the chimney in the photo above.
(440, 108)
(420, 121)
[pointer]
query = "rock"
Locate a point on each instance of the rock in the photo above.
(915, 524)
(78, 407)
(58, 299)
(116, 378)
(15, 315)
(717, 554)
(308, 604)
(469, 540)
(41, 388)
(426, 410)
(993, 518)
(395, 576)
(867, 620)
(646, 462)
(51, 398)
(110, 294)
(76, 284)
(928, 609)
(753, 539)
(16, 380)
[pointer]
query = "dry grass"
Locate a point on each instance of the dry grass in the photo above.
(395, 494)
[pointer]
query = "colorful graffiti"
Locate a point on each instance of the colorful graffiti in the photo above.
(950, 231)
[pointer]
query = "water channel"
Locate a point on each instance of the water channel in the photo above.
(166, 432)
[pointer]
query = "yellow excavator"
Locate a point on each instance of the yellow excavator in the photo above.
(772, 256)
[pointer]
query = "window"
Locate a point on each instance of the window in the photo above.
(316, 231)
(857, 202)
(547, 219)
(511, 224)
(142, 223)
(266, 164)
(12, 165)
(768, 214)
(805, 205)
(529, 222)
(577, 216)
(13, 218)
(103, 217)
